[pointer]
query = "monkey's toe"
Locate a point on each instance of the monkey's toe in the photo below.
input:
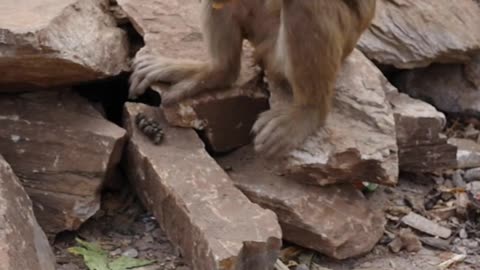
(272, 134)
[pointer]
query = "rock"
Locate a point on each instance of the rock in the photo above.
(225, 118)
(23, 244)
(468, 153)
(405, 239)
(63, 150)
(472, 71)
(59, 42)
(436, 242)
(425, 225)
(213, 223)
(358, 142)
(444, 86)
(409, 34)
(472, 175)
(335, 220)
(422, 146)
(131, 253)
(171, 28)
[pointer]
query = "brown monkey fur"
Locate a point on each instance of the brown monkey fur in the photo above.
(300, 43)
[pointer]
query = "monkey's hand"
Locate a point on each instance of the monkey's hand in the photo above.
(149, 69)
(282, 129)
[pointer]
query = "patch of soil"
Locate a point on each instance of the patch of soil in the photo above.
(121, 227)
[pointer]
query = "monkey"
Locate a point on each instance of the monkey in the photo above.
(301, 45)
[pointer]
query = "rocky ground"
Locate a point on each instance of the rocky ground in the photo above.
(90, 179)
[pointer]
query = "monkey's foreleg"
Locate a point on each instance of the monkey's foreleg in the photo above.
(222, 34)
(148, 69)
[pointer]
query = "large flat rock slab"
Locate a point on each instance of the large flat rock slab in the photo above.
(62, 150)
(23, 244)
(358, 142)
(59, 42)
(171, 28)
(410, 33)
(196, 203)
(335, 220)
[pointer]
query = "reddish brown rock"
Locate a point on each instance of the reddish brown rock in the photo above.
(59, 42)
(358, 142)
(62, 150)
(410, 33)
(225, 118)
(213, 223)
(23, 244)
(335, 220)
(422, 146)
(171, 28)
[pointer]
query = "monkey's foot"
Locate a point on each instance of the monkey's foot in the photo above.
(148, 69)
(281, 130)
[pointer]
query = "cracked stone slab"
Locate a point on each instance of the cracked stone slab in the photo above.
(194, 200)
(49, 43)
(23, 244)
(63, 150)
(335, 220)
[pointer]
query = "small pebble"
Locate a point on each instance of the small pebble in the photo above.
(131, 253)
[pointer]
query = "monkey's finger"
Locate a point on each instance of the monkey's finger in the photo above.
(134, 81)
(143, 59)
(145, 83)
(148, 63)
(179, 92)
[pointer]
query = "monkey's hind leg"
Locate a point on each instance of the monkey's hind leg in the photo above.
(222, 35)
(310, 47)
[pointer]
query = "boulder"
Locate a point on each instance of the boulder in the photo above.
(23, 244)
(49, 43)
(335, 220)
(422, 146)
(62, 150)
(358, 142)
(171, 28)
(448, 87)
(410, 34)
(213, 224)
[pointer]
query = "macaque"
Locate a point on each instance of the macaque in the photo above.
(301, 44)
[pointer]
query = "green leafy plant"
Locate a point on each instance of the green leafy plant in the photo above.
(96, 258)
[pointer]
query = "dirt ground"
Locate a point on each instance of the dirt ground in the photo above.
(122, 226)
